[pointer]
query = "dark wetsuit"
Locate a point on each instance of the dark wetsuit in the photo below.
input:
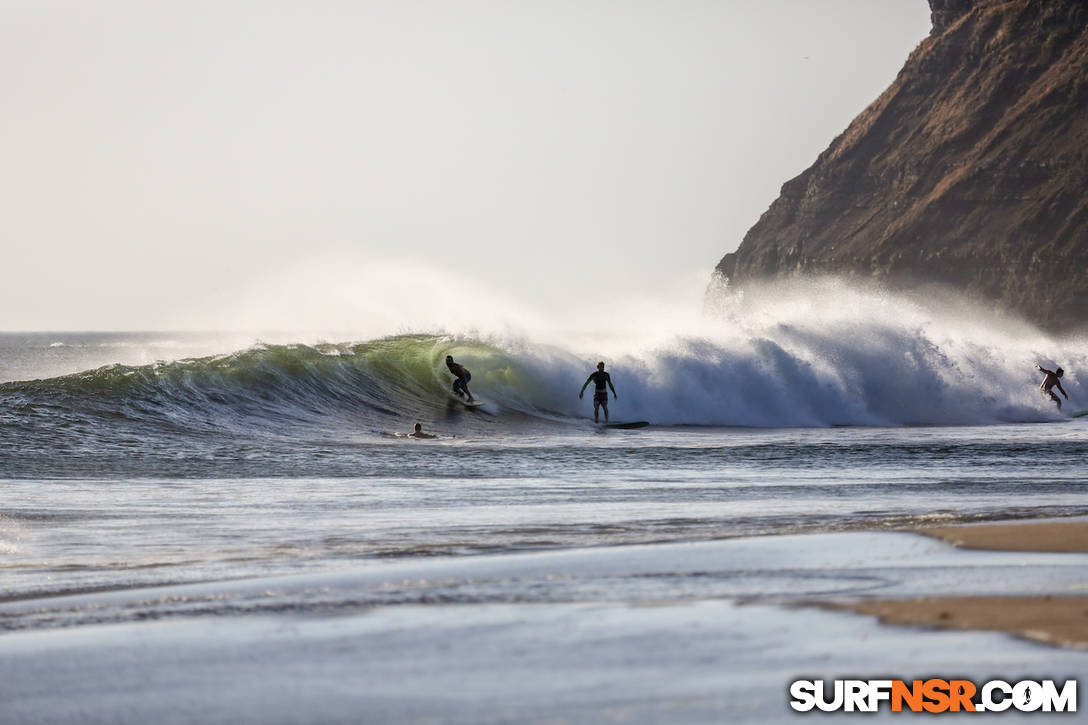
(600, 379)
(460, 385)
(1050, 381)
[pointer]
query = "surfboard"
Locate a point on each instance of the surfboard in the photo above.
(1079, 414)
(474, 403)
(628, 426)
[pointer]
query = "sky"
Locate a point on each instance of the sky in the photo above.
(300, 165)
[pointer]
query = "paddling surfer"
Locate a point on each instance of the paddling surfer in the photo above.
(1052, 380)
(417, 432)
(463, 376)
(600, 379)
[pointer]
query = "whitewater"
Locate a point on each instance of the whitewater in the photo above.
(210, 494)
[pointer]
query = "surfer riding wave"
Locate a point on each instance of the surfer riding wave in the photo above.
(600, 393)
(1052, 380)
(462, 375)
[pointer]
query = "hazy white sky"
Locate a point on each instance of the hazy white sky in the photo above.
(279, 164)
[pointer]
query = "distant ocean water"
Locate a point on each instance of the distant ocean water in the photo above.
(132, 459)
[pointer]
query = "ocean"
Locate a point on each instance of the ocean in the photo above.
(140, 469)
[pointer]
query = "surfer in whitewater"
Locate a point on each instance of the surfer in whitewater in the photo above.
(460, 385)
(1053, 379)
(600, 379)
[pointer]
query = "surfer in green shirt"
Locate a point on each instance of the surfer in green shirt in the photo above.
(600, 393)
(1052, 380)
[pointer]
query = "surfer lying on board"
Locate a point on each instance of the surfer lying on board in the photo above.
(1052, 379)
(600, 393)
(463, 376)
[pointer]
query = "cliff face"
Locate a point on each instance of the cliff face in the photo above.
(970, 170)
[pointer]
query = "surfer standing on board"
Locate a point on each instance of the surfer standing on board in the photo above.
(600, 394)
(463, 376)
(1052, 379)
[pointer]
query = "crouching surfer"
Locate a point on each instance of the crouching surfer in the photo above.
(1052, 380)
(460, 385)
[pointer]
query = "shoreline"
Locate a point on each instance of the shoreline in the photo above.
(1056, 616)
(1060, 620)
(1047, 535)
(702, 631)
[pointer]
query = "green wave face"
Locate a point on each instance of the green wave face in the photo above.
(416, 365)
(378, 383)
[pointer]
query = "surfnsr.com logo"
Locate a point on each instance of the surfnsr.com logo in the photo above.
(933, 695)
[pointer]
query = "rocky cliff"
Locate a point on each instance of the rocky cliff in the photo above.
(970, 170)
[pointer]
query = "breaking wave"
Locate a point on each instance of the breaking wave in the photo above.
(820, 354)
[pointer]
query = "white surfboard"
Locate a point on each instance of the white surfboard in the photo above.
(474, 403)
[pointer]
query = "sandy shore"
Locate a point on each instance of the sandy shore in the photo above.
(1061, 620)
(1049, 535)
(1053, 620)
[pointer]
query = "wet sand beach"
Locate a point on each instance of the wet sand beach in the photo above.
(1048, 535)
(1057, 620)
(681, 632)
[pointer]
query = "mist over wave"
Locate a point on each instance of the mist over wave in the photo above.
(833, 352)
(799, 354)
